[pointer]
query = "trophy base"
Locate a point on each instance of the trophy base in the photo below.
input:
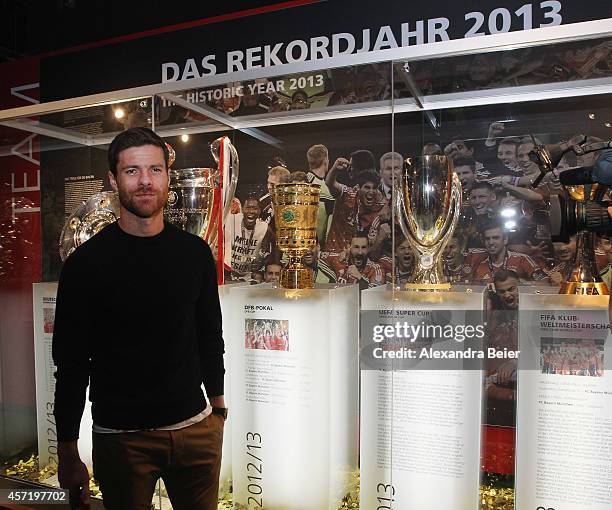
(296, 278)
(585, 288)
(427, 286)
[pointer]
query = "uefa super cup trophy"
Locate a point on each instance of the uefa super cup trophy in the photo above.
(296, 206)
(200, 199)
(428, 206)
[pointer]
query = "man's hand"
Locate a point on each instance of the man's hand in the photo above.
(505, 372)
(235, 207)
(384, 231)
(353, 272)
(556, 278)
(540, 250)
(72, 472)
(340, 165)
(495, 130)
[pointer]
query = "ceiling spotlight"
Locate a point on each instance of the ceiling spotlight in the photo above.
(592, 116)
(508, 212)
(510, 225)
(119, 113)
(608, 124)
(184, 138)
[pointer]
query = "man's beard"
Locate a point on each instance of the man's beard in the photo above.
(149, 209)
(360, 261)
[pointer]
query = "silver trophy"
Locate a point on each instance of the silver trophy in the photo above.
(91, 216)
(200, 199)
(428, 206)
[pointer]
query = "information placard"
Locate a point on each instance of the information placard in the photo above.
(420, 420)
(294, 396)
(44, 295)
(564, 421)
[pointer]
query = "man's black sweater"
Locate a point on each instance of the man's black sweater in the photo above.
(139, 319)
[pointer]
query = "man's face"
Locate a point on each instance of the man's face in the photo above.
(466, 175)
(391, 169)
(359, 251)
(317, 161)
(461, 150)
(564, 252)
(367, 194)
(272, 273)
(142, 180)
(300, 102)
(522, 155)
(458, 149)
(495, 241)
(606, 246)
(506, 153)
(311, 256)
(452, 251)
(251, 212)
(273, 180)
(405, 256)
(481, 200)
(507, 291)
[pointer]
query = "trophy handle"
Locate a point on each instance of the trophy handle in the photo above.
(226, 157)
(402, 213)
(451, 220)
(228, 164)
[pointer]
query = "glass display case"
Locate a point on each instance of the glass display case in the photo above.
(355, 125)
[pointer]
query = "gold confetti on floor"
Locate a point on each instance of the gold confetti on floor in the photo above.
(496, 498)
(491, 498)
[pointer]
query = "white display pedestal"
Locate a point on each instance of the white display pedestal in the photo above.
(44, 295)
(294, 396)
(420, 425)
(225, 477)
(564, 415)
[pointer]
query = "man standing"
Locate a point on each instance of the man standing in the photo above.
(391, 167)
(496, 256)
(318, 166)
(138, 319)
(276, 175)
(465, 168)
(502, 333)
(248, 240)
(357, 208)
(479, 211)
(272, 271)
(357, 268)
(453, 259)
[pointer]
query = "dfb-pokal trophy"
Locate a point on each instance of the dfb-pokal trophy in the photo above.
(296, 207)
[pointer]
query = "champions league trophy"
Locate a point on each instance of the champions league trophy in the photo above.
(296, 206)
(428, 206)
(200, 199)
